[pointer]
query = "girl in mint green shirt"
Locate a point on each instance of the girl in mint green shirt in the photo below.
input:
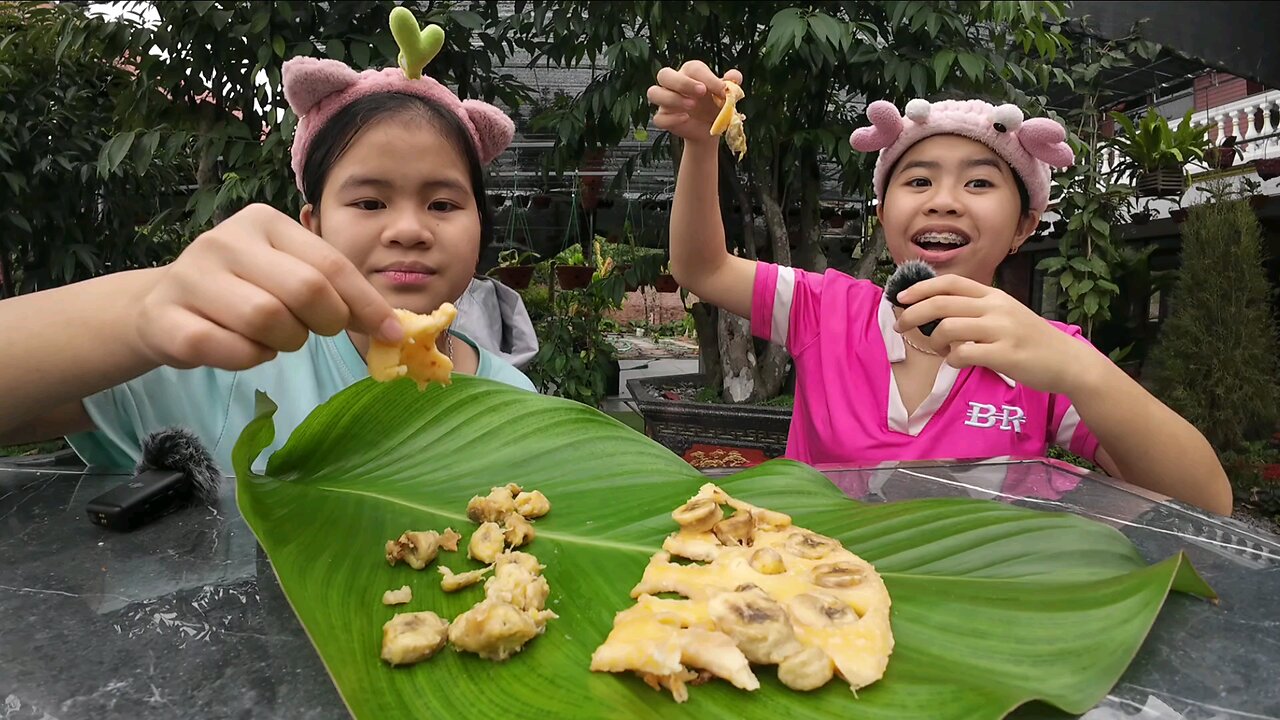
(390, 166)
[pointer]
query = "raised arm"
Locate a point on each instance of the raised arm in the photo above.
(700, 261)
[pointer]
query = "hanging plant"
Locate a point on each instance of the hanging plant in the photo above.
(1156, 154)
(515, 269)
(1267, 168)
(666, 283)
(1223, 156)
(574, 277)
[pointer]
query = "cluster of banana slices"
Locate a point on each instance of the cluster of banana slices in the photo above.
(769, 593)
(513, 611)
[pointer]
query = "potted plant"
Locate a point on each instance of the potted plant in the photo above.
(575, 359)
(572, 270)
(679, 413)
(638, 265)
(1250, 190)
(1223, 156)
(666, 283)
(1156, 154)
(1267, 168)
(615, 263)
(515, 268)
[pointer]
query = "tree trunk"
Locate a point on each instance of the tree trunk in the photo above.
(6, 279)
(727, 348)
(706, 325)
(777, 225)
(737, 359)
(736, 190)
(867, 263)
(809, 253)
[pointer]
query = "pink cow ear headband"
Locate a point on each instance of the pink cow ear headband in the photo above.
(1030, 147)
(317, 89)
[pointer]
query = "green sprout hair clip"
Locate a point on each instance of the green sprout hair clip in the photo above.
(318, 88)
(418, 47)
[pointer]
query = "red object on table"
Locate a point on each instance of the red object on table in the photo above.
(718, 456)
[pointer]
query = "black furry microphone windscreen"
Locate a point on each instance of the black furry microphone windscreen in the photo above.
(176, 471)
(180, 450)
(909, 273)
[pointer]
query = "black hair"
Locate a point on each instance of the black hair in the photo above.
(1024, 197)
(337, 135)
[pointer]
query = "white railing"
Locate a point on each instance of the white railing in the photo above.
(1250, 121)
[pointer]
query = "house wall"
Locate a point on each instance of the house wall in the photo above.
(1214, 89)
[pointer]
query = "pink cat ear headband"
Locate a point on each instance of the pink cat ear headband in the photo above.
(1030, 147)
(317, 89)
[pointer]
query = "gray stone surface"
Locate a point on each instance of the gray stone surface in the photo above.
(185, 618)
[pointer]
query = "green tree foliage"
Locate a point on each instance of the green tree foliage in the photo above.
(212, 70)
(809, 70)
(1216, 361)
(76, 194)
(122, 139)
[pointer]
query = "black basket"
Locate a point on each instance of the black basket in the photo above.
(1162, 182)
(680, 424)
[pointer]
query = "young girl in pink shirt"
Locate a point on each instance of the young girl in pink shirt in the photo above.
(959, 185)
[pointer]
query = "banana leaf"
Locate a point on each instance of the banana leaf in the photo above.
(993, 606)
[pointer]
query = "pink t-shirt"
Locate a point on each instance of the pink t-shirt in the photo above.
(839, 331)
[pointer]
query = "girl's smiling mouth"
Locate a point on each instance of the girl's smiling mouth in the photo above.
(407, 273)
(939, 243)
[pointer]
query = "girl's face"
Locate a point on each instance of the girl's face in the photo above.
(398, 204)
(953, 203)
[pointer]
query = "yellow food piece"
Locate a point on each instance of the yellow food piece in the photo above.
(453, 582)
(493, 507)
(397, 597)
(729, 121)
(486, 543)
(523, 559)
(532, 504)
(416, 356)
(496, 630)
(513, 583)
(517, 530)
(419, 549)
(774, 593)
(513, 611)
(413, 637)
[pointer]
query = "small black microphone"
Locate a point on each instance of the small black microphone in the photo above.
(909, 273)
(176, 471)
